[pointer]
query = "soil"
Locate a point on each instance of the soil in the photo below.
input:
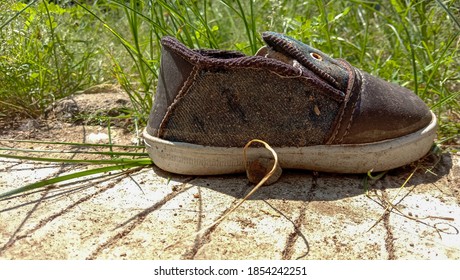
(150, 214)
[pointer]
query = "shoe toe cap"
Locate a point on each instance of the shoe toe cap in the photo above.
(385, 111)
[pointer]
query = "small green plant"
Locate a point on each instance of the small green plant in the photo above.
(46, 53)
(108, 158)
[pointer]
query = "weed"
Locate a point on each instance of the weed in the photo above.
(46, 53)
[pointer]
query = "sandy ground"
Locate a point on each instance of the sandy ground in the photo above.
(150, 214)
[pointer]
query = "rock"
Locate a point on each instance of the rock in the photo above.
(97, 138)
(257, 169)
(92, 105)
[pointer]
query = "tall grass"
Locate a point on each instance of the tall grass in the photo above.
(46, 53)
(412, 43)
(49, 51)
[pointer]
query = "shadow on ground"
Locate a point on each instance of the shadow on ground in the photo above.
(428, 170)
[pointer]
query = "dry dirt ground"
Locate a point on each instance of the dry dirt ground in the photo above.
(150, 214)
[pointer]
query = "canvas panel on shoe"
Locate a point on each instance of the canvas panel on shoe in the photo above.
(229, 107)
(317, 112)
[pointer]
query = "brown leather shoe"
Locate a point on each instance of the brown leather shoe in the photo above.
(318, 113)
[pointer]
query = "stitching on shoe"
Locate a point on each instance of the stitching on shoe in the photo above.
(204, 63)
(349, 93)
(297, 53)
(180, 49)
(351, 119)
(237, 59)
(195, 118)
(347, 130)
(188, 82)
(351, 79)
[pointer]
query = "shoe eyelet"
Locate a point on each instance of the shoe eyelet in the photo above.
(316, 56)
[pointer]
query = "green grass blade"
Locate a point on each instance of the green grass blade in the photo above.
(132, 51)
(248, 21)
(110, 153)
(454, 18)
(438, 63)
(68, 177)
(446, 100)
(144, 161)
(17, 14)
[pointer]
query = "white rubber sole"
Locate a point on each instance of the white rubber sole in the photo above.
(191, 159)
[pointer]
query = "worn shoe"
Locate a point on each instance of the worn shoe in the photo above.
(318, 113)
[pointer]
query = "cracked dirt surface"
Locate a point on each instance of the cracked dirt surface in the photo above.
(150, 214)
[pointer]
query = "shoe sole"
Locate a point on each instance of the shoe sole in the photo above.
(191, 159)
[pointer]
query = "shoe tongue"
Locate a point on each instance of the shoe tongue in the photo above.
(298, 54)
